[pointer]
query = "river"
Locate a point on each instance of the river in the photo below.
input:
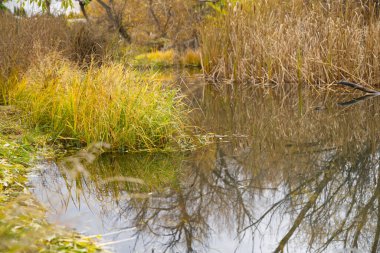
(280, 169)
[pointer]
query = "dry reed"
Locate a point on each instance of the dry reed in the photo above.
(314, 42)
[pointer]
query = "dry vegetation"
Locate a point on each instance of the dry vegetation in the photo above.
(156, 23)
(76, 83)
(314, 42)
(23, 40)
(74, 80)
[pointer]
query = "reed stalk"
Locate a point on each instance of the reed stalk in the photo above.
(314, 42)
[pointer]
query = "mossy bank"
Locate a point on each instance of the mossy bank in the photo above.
(23, 225)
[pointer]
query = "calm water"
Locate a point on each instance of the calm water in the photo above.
(283, 171)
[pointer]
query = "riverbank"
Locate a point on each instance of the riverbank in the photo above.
(23, 225)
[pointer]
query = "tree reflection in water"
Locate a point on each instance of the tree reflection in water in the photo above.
(336, 206)
(313, 175)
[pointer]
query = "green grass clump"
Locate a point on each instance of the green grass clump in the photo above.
(108, 103)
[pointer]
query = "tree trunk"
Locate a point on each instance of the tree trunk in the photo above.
(48, 4)
(83, 10)
(116, 21)
(124, 33)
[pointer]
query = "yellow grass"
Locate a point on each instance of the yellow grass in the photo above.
(158, 58)
(169, 57)
(108, 103)
(191, 58)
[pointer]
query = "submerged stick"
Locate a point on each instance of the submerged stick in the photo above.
(357, 87)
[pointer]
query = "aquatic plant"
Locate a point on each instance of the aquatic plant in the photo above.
(293, 42)
(108, 103)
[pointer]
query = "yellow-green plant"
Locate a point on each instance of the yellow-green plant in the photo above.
(156, 58)
(108, 103)
(169, 58)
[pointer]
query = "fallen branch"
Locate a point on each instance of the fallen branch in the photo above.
(358, 87)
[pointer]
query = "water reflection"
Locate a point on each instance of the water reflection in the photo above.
(276, 180)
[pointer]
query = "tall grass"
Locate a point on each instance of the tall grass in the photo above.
(168, 58)
(156, 58)
(22, 40)
(315, 42)
(107, 103)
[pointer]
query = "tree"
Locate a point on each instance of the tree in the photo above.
(170, 22)
(115, 16)
(2, 6)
